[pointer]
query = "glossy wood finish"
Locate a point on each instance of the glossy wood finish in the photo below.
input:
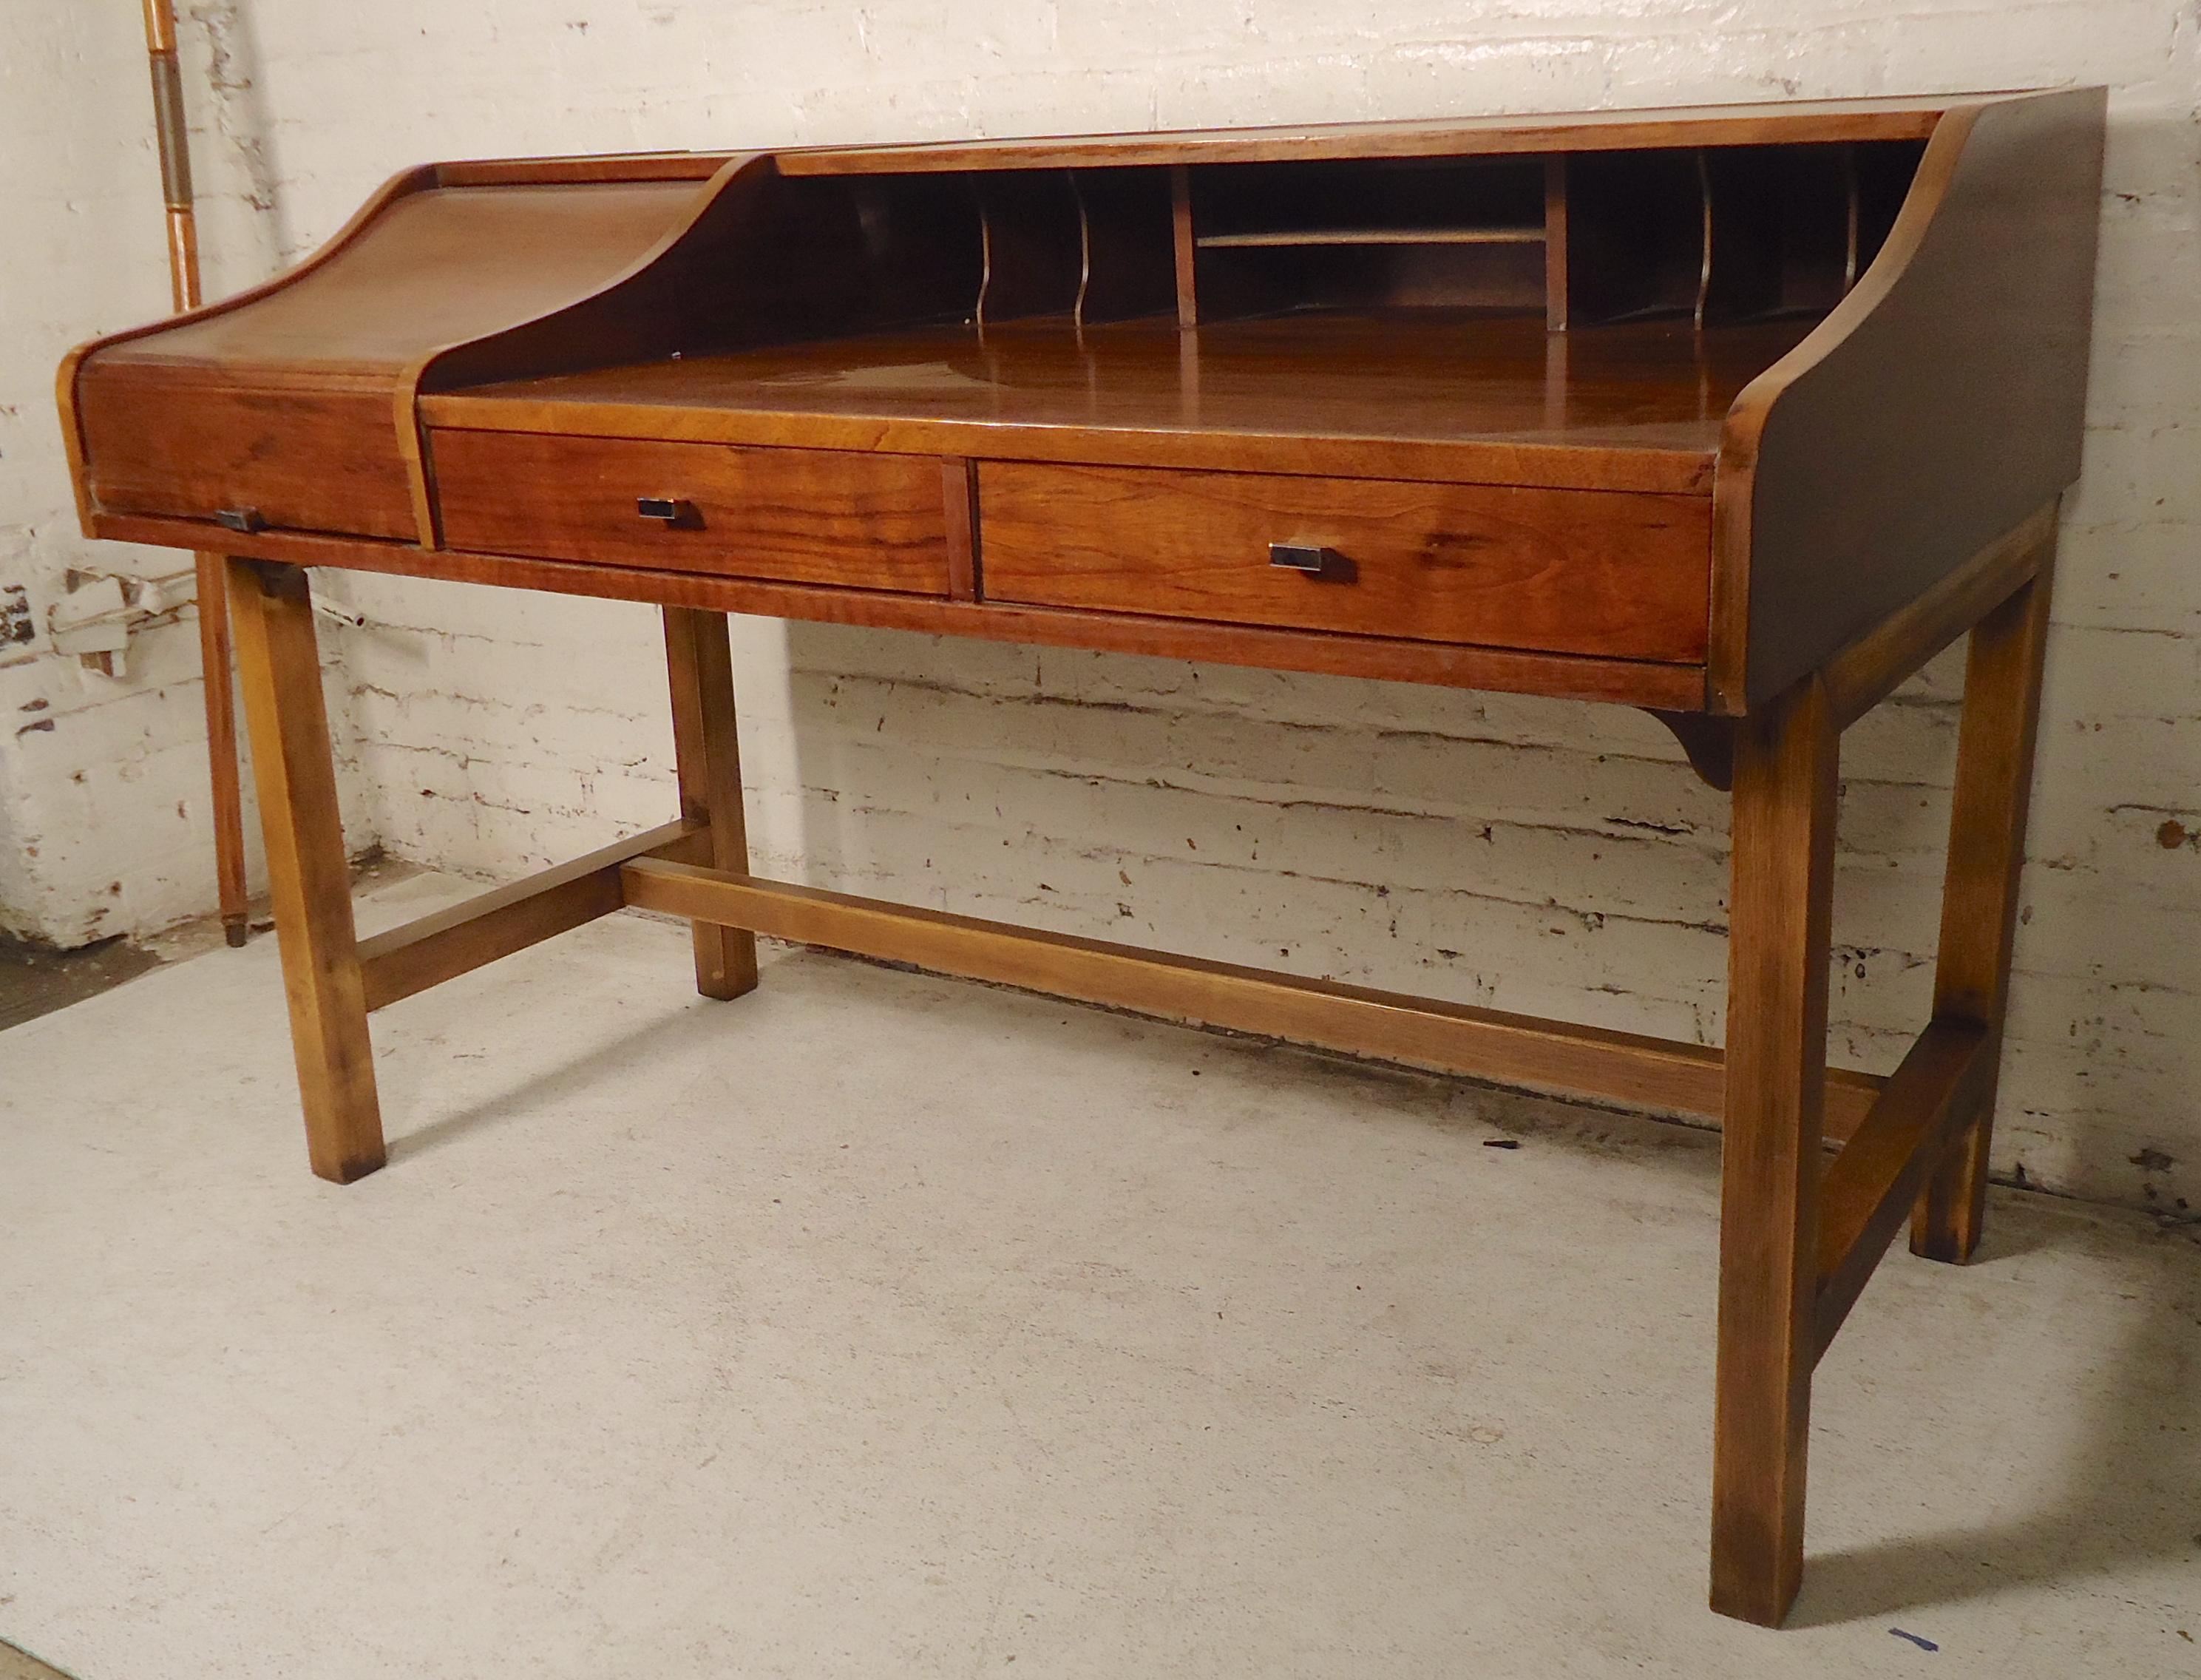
(1621, 576)
(1464, 396)
(1979, 903)
(816, 516)
(1780, 903)
(308, 878)
(706, 758)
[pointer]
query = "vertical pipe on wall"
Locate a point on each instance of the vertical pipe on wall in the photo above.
(213, 582)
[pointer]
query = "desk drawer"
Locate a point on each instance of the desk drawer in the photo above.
(174, 445)
(1620, 575)
(810, 516)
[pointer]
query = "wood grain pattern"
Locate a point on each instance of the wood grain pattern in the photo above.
(437, 265)
(445, 944)
(1464, 396)
(65, 381)
(1786, 759)
(861, 521)
(319, 456)
(1978, 895)
(958, 496)
(1937, 406)
(1563, 572)
(282, 398)
(1389, 659)
(1793, 122)
(1423, 1032)
(309, 879)
(699, 664)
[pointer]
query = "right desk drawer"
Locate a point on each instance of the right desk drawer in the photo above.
(1603, 573)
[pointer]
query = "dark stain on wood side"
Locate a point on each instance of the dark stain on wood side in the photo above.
(1939, 404)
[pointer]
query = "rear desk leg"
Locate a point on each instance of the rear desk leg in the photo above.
(307, 875)
(1979, 902)
(1784, 768)
(699, 659)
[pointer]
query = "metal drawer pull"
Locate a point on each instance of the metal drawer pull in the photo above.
(247, 519)
(669, 509)
(1302, 557)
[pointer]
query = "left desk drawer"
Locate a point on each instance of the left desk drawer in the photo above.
(808, 516)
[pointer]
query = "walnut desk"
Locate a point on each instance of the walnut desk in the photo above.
(1735, 414)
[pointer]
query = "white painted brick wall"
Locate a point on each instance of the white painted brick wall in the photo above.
(103, 803)
(1533, 855)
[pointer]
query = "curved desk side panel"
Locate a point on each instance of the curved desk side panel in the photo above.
(275, 407)
(1935, 408)
(763, 261)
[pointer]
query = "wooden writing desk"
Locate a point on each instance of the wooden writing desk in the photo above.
(1738, 415)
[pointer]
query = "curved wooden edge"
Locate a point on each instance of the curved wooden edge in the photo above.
(2036, 331)
(418, 178)
(405, 398)
(1735, 479)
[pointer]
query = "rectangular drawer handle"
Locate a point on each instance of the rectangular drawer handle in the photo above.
(1303, 557)
(671, 510)
(246, 520)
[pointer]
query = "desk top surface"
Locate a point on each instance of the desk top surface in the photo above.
(1461, 377)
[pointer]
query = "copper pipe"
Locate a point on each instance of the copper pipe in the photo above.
(173, 140)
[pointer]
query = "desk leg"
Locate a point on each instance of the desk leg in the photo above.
(308, 875)
(1785, 770)
(1979, 901)
(699, 659)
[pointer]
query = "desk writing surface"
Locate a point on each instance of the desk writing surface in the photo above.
(1656, 388)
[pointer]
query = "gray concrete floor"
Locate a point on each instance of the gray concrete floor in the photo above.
(881, 1324)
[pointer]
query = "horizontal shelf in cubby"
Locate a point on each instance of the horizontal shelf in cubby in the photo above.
(1371, 235)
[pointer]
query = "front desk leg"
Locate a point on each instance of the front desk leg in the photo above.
(307, 875)
(698, 660)
(1978, 898)
(1785, 769)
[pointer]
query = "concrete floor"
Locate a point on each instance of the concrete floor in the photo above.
(879, 1324)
